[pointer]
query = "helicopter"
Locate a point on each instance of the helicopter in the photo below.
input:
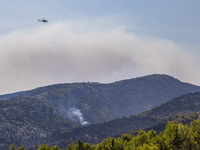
(43, 20)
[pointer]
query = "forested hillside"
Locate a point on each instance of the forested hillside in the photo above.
(182, 109)
(176, 136)
(96, 103)
(28, 121)
(60, 114)
(183, 104)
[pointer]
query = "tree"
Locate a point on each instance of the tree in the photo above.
(173, 137)
(101, 146)
(12, 147)
(21, 148)
(126, 137)
(44, 147)
(142, 137)
(110, 143)
(195, 133)
(160, 141)
(74, 146)
(80, 145)
(87, 146)
(55, 148)
(119, 144)
(147, 147)
(152, 134)
(69, 147)
(186, 137)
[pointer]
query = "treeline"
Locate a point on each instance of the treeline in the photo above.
(176, 136)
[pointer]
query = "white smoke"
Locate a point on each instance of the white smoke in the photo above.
(75, 113)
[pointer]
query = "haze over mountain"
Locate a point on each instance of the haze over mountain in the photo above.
(99, 41)
(30, 117)
(93, 40)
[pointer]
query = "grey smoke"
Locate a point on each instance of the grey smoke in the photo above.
(68, 109)
(74, 113)
(58, 54)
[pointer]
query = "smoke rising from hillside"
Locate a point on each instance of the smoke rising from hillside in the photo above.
(75, 113)
(68, 109)
(60, 53)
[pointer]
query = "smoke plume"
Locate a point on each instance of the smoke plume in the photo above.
(75, 113)
(67, 109)
(60, 53)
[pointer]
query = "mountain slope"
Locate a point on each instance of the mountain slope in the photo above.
(97, 103)
(29, 117)
(182, 109)
(26, 120)
(183, 104)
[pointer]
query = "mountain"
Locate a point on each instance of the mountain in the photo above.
(29, 117)
(184, 104)
(97, 103)
(181, 109)
(27, 120)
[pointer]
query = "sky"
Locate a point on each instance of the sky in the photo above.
(97, 41)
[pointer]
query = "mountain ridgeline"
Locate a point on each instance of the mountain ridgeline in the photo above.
(97, 103)
(57, 113)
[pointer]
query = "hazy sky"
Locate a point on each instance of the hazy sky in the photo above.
(97, 41)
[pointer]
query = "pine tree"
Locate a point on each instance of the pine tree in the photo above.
(21, 148)
(44, 147)
(173, 136)
(195, 133)
(80, 145)
(55, 148)
(12, 147)
(69, 147)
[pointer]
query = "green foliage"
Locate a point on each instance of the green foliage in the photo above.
(87, 146)
(12, 147)
(21, 148)
(175, 137)
(44, 147)
(195, 133)
(110, 144)
(127, 137)
(69, 147)
(101, 146)
(80, 145)
(55, 148)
